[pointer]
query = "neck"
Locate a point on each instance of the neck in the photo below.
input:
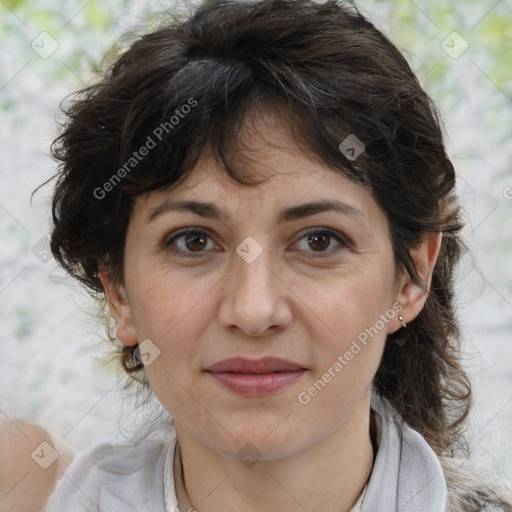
(328, 476)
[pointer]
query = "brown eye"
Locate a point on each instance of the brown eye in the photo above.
(191, 242)
(195, 241)
(319, 240)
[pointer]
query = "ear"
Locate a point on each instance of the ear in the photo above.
(411, 296)
(120, 308)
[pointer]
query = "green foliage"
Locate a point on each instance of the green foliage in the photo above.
(417, 27)
(14, 4)
(420, 27)
(83, 32)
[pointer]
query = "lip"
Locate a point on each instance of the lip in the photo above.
(256, 377)
(263, 365)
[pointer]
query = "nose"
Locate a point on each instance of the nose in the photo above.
(255, 298)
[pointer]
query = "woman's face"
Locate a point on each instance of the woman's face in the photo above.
(264, 275)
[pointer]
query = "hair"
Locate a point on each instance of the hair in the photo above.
(190, 84)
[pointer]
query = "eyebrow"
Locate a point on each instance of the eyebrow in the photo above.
(213, 211)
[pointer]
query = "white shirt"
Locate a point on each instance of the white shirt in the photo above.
(406, 475)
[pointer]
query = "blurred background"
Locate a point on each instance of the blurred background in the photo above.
(53, 368)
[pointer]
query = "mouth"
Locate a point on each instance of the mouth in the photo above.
(256, 377)
(255, 366)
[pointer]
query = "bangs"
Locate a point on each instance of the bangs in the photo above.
(206, 108)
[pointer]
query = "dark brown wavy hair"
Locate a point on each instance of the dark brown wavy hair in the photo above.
(331, 74)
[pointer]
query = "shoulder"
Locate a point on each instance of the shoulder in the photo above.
(473, 489)
(31, 462)
(468, 487)
(108, 475)
(120, 459)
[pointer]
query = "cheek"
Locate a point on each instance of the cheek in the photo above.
(350, 327)
(348, 303)
(173, 310)
(167, 303)
(170, 313)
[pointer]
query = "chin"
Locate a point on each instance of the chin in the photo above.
(266, 440)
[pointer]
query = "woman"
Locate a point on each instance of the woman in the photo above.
(261, 193)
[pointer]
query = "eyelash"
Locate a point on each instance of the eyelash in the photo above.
(341, 239)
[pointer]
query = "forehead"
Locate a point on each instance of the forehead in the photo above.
(266, 151)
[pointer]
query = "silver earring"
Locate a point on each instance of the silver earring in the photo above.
(401, 319)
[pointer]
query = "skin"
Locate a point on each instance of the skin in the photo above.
(25, 486)
(199, 310)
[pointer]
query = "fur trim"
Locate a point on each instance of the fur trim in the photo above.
(473, 489)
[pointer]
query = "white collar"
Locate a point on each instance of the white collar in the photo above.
(406, 476)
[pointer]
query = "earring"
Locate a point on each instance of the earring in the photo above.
(401, 319)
